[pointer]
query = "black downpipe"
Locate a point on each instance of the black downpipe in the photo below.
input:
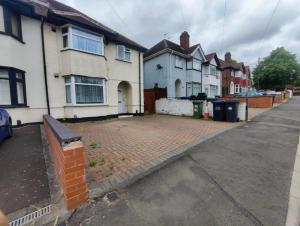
(45, 66)
(140, 90)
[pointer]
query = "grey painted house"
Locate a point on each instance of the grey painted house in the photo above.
(177, 67)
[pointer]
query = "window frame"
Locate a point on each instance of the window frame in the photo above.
(69, 34)
(191, 85)
(7, 15)
(179, 59)
(72, 84)
(125, 49)
(237, 88)
(13, 80)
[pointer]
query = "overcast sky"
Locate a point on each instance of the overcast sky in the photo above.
(250, 30)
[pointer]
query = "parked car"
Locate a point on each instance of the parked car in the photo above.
(5, 125)
(248, 94)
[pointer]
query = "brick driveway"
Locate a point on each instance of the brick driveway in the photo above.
(118, 145)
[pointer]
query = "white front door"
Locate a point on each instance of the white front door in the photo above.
(121, 101)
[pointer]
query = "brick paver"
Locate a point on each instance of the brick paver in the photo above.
(118, 145)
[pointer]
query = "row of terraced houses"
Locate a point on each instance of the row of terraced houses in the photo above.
(56, 60)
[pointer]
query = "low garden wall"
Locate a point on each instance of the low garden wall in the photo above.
(66, 151)
(255, 102)
(174, 107)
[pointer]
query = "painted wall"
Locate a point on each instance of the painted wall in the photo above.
(209, 79)
(28, 57)
(153, 75)
(174, 107)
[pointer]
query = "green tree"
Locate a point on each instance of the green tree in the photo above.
(277, 70)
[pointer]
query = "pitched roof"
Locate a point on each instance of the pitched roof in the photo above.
(166, 44)
(63, 14)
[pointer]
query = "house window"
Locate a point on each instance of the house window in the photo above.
(76, 39)
(213, 90)
(213, 70)
(193, 88)
(189, 64)
(12, 88)
(123, 53)
(197, 64)
(12, 23)
(237, 88)
(178, 62)
(84, 90)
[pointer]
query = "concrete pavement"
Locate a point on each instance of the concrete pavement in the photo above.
(24, 181)
(240, 177)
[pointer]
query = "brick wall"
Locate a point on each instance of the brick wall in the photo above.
(278, 99)
(69, 165)
(255, 102)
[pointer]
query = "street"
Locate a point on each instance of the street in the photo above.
(240, 177)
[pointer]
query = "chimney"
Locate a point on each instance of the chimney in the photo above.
(228, 57)
(185, 40)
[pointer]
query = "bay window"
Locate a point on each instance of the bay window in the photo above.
(10, 23)
(211, 90)
(84, 90)
(12, 87)
(193, 88)
(74, 38)
(123, 53)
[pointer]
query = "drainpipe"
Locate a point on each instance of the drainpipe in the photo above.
(44, 64)
(140, 90)
(202, 78)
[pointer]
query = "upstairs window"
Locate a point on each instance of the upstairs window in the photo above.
(123, 53)
(178, 62)
(84, 90)
(12, 87)
(213, 70)
(196, 64)
(12, 22)
(80, 40)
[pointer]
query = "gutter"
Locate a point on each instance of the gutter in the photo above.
(140, 90)
(44, 65)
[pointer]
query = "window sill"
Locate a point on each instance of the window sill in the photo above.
(192, 69)
(178, 67)
(13, 36)
(81, 51)
(14, 106)
(85, 105)
(126, 61)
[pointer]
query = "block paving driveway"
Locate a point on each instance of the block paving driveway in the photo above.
(119, 145)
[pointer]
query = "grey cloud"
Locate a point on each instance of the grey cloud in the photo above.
(147, 21)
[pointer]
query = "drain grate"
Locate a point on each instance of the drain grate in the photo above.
(31, 217)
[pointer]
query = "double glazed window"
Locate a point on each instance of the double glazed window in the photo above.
(237, 88)
(194, 64)
(193, 88)
(213, 70)
(11, 22)
(83, 41)
(12, 88)
(123, 53)
(211, 90)
(178, 62)
(84, 90)
(197, 64)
